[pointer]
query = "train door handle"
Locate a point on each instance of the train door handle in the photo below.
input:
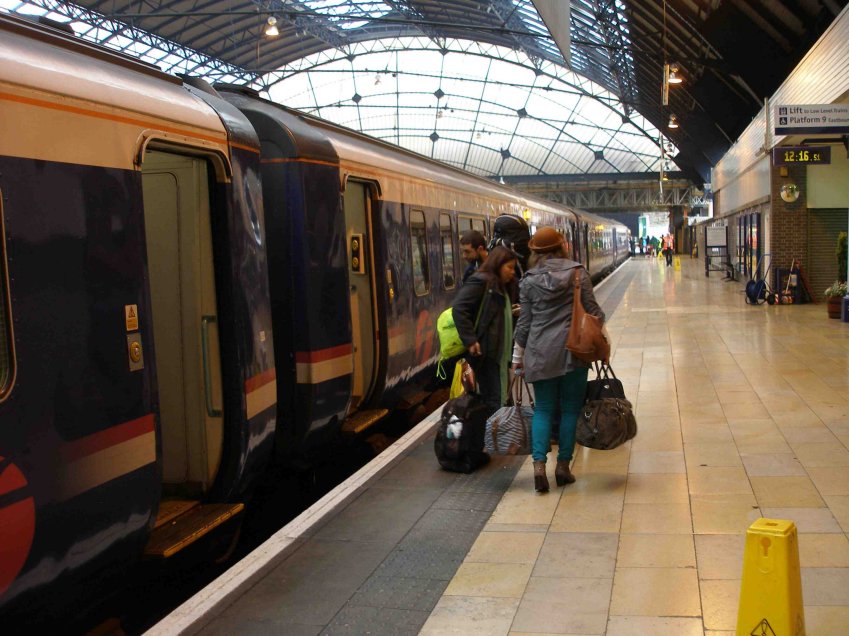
(205, 321)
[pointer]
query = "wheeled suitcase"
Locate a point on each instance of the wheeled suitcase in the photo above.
(460, 437)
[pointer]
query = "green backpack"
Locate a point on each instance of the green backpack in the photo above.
(450, 344)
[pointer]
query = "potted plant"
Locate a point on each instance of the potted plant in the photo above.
(834, 295)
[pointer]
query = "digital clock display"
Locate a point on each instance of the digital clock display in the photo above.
(789, 155)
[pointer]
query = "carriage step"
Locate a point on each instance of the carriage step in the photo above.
(412, 397)
(362, 420)
(183, 529)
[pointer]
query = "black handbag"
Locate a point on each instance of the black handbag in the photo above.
(607, 418)
(605, 385)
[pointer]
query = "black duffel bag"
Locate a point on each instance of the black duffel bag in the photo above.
(605, 385)
(607, 417)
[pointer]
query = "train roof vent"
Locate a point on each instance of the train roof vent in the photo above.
(198, 83)
(55, 24)
(236, 88)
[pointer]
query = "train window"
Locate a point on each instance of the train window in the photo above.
(7, 357)
(418, 243)
(472, 223)
(446, 238)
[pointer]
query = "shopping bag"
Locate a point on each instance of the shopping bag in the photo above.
(508, 430)
(457, 382)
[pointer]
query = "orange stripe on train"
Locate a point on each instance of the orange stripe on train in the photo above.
(106, 438)
(322, 355)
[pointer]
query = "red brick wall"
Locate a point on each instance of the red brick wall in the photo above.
(789, 220)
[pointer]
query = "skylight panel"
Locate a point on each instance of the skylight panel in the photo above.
(345, 13)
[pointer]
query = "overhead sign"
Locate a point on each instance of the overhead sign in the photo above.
(794, 155)
(812, 119)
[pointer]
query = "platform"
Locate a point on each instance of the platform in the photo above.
(743, 411)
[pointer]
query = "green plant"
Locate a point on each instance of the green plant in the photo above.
(837, 289)
(841, 256)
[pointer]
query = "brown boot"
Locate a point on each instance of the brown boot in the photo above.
(562, 474)
(540, 479)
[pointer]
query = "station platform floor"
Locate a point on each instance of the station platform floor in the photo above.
(743, 412)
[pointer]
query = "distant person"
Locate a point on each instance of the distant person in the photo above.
(473, 250)
(655, 242)
(559, 379)
(667, 249)
(482, 315)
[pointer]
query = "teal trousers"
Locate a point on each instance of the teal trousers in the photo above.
(566, 392)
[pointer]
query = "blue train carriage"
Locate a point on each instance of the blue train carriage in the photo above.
(363, 256)
(137, 375)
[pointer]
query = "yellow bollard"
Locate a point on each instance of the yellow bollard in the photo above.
(771, 591)
(676, 263)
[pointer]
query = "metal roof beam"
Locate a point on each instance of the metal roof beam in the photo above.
(190, 60)
(317, 26)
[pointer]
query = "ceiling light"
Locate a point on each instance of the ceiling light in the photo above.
(673, 121)
(271, 28)
(674, 78)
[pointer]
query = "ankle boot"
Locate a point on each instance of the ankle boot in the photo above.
(540, 479)
(562, 474)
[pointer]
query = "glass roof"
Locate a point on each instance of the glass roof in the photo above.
(479, 107)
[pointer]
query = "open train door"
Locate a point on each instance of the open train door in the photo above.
(359, 232)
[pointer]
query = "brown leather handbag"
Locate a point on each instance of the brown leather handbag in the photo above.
(586, 340)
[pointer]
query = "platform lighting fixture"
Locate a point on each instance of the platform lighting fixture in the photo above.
(271, 29)
(674, 77)
(673, 121)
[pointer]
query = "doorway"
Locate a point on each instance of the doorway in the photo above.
(176, 192)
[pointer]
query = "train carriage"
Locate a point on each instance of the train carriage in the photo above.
(136, 326)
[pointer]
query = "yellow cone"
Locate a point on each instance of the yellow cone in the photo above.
(771, 591)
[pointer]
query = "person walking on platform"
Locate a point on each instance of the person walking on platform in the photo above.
(655, 242)
(473, 250)
(559, 380)
(482, 315)
(667, 249)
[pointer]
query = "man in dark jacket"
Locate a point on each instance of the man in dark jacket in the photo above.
(473, 250)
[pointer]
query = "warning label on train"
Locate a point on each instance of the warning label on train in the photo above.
(812, 119)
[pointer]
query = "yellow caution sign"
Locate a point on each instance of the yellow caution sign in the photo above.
(676, 263)
(771, 591)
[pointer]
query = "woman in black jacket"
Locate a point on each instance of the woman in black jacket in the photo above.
(482, 315)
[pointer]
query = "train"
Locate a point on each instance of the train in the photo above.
(197, 284)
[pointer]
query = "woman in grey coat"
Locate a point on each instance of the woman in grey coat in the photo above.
(560, 380)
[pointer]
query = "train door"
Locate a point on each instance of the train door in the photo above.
(185, 333)
(359, 233)
(585, 236)
(574, 241)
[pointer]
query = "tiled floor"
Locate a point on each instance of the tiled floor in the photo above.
(743, 412)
